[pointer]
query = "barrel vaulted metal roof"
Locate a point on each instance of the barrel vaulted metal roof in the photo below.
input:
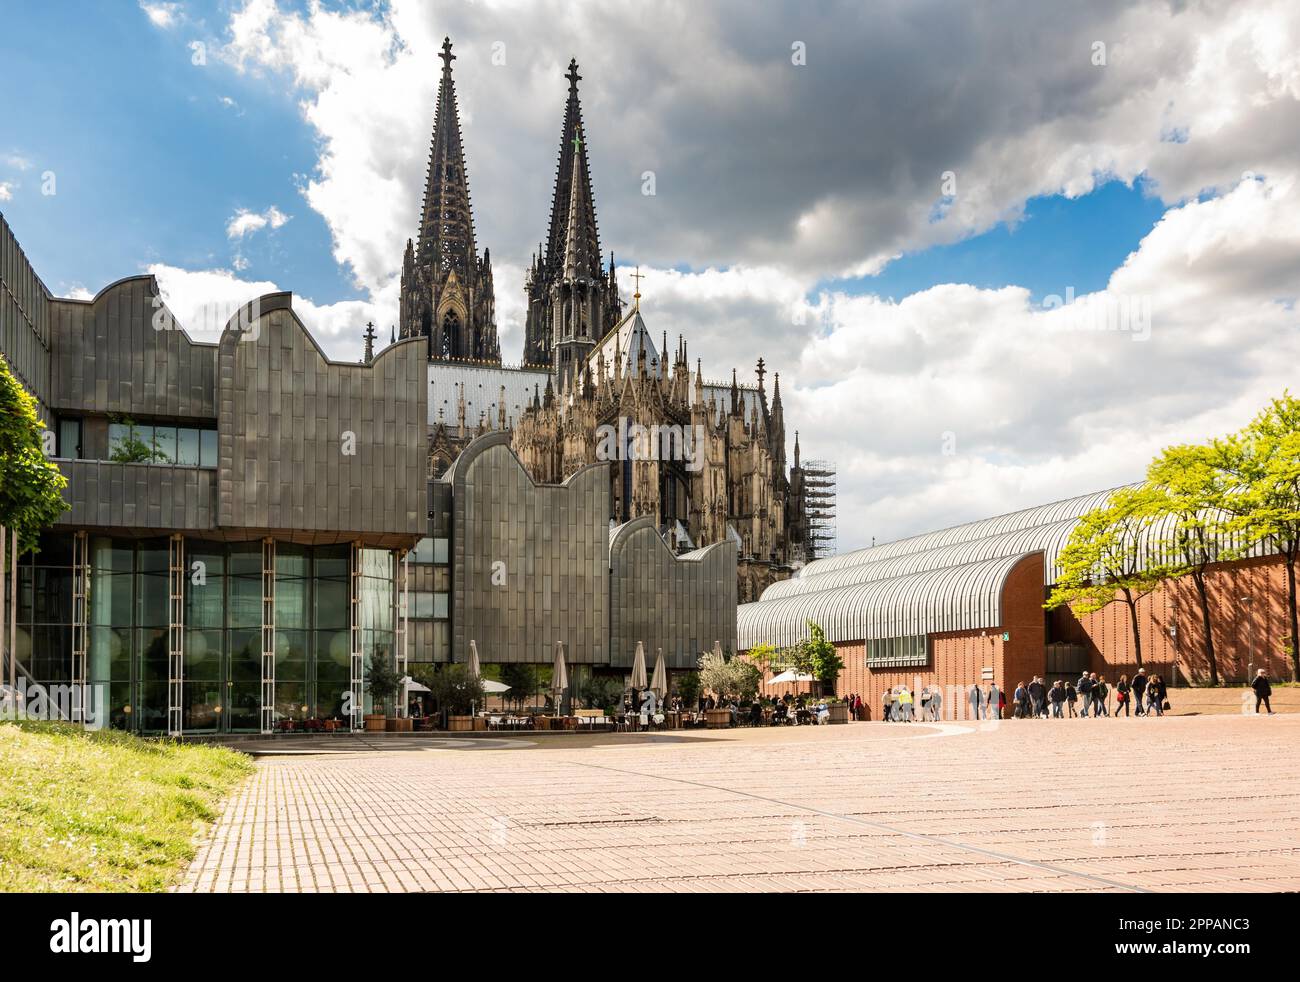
(952, 598)
(1049, 539)
(1037, 517)
(867, 594)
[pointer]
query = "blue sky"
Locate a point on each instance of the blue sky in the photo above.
(150, 163)
(153, 155)
(1123, 180)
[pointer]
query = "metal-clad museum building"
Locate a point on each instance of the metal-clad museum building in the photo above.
(290, 531)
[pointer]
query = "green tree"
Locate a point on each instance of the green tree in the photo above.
(383, 682)
(456, 692)
(688, 688)
(1106, 560)
(522, 680)
(822, 660)
(716, 675)
(1262, 464)
(130, 449)
(748, 679)
(31, 486)
(600, 692)
(766, 656)
(1194, 493)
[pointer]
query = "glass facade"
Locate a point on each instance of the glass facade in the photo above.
(127, 616)
(184, 445)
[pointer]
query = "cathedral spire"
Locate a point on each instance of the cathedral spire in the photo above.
(570, 172)
(447, 222)
(578, 261)
(446, 289)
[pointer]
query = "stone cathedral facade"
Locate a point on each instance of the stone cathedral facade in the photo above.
(591, 368)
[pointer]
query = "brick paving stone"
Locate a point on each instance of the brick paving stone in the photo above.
(1183, 803)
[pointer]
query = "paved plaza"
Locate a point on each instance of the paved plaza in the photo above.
(1195, 803)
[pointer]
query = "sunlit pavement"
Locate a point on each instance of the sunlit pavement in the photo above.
(1180, 803)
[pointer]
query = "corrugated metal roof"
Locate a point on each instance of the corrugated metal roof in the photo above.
(865, 593)
(953, 598)
(1048, 539)
(1028, 518)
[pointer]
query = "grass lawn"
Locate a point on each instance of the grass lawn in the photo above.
(104, 811)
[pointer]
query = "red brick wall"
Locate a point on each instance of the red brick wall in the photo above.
(958, 659)
(1247, 635)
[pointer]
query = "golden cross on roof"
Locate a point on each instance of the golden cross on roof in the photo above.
(637, 295)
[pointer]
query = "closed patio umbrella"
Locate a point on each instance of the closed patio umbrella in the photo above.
(475, 670)
(638, 668)
(659, 682)
(559, 675)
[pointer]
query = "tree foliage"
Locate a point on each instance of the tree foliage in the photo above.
(1193, 487)
(455, 691)
(31, 485)
(1105, 559)
(383, 682)
(1263, 464)
(730, 677)
(130, 449)
(819, 656)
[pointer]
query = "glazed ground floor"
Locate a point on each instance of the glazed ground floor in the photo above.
(183, 634)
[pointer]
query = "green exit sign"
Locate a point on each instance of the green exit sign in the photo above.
(1006, 635)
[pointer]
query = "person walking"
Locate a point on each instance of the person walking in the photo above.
(1263, 690)
(936, 704)
(888, 704)
(1101, 695)
(1084, 687)
(1056, 696)
(975, 699)
(1071, 697)
(995, 702)
(1139, 689)
(1019, 697)
(1036, 694)
(905, 703)
(1122, 693)
(859, 710)
(1155, 695)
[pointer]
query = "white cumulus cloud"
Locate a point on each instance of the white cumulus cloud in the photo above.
(245, 222)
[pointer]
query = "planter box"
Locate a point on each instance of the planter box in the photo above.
(399, 724)
(839, 712)
(480, 723)
(375, 723)
(718, 719)
(460, 724)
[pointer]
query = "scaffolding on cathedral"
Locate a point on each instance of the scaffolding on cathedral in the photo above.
(819, 502)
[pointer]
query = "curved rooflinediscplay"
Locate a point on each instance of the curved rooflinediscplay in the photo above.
(1048, 539)
(153, 288)
(242, 320)
(954, 598)
(620, 535)
(481, 444)
(1027, 518)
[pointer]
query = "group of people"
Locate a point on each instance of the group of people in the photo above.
(898, 704)
(1091, 693)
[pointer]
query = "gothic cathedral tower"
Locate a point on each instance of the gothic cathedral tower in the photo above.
(447, 293)
(572, 299)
